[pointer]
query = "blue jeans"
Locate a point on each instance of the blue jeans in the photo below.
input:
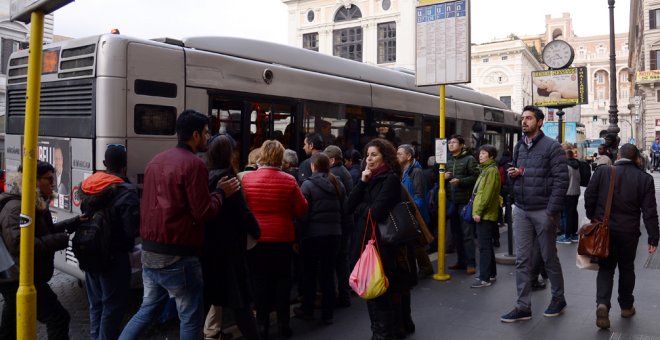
(107, 293)
(487, 267)
(181, 280)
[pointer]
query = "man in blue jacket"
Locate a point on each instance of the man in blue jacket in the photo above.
(540, 181)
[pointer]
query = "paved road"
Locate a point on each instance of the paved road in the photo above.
(452, 310)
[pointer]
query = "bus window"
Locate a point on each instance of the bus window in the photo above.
(327, 119)
(155, 120)
(270, 121)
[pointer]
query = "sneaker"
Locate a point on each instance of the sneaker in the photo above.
(480, 284)
(563, 239)
(575, 239)
(471, 270)
(628, 313)
(493, 278)
(602, 316)
(555, 308)
(516, 315)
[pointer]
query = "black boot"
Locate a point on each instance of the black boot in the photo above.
(384, 326)
(398, 329)
(406, 314)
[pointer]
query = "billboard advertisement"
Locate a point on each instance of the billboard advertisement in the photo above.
(560, 88)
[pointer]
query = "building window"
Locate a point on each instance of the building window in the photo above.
(624, 92)
(311, 41)
(600, 78)
(654, 59)
(387, 42)
(506, 100)
(657, 96)
(386, 5)
(348, 14)
(347, 43)
(505, 57)
(654, 18)
(484, 60)
(310, 16)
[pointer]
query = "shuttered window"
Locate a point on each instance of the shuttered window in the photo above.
(654, 59)
(654, 18)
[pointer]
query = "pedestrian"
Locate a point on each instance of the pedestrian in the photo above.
(485, 208)
(571, 200)
(290, 163)
(604, 156)
(353, 162)
(225, 267)
(108, 288)
(413, 180)
(312, 144)
(540, 181)
(320, 236)
(634, 194)
(276, 201)
(175, 204)
(342, 269)
(377, 192)
(48, 238)
(253, 159)
(462, 173)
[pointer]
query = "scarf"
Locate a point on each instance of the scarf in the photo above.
(381, 169)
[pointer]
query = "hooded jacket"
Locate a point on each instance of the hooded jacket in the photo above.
(324, 217)
(102, 190)
(464, 167)
(48, 237)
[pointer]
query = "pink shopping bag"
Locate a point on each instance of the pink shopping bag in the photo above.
(368, 278)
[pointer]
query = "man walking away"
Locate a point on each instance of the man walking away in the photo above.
(108, 286)
(175, 203)
(634, 194)
(540, 181)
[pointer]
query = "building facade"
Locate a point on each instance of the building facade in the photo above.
(644, 39)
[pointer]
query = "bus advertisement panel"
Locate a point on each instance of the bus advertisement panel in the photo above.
(558, 88)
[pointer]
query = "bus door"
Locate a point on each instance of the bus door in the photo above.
(251, 122)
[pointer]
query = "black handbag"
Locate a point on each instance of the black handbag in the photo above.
(400, 226)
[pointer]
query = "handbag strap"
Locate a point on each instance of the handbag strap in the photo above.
(610, 193)
(476, 186)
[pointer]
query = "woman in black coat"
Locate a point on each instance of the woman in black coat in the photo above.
(224, 261)
(378, 191)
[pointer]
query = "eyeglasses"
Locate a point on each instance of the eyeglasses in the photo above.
(116, 146)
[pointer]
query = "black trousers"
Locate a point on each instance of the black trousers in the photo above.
(271, 276)
(623, 249)
(570, 209)
(343, 269)
(319, 256)
(49, 311)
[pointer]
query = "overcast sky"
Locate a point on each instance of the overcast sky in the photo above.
(267, 19)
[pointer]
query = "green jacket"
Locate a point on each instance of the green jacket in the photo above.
(466, 169)
(487, 200)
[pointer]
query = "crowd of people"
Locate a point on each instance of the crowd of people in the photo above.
(214, 239)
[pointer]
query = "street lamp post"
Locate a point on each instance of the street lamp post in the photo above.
(613, 111)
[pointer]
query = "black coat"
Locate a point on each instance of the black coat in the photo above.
(224, 260)
(380, 195)
(634, 193)
(325, 212)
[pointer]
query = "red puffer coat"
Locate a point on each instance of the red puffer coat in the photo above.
(275, 200)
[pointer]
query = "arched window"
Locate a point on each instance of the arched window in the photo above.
(348, 14)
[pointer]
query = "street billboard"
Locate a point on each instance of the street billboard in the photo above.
(560, 88)
(442, 42)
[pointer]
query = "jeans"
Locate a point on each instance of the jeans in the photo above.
(49, 311)
(342, 269)
(570, 210)
(181, 280)
(623, 249)
(463, 235)
(487, 267)
(319, 256)
(528, 226)
(108, 296)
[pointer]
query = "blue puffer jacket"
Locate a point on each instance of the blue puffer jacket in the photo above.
(544, 182)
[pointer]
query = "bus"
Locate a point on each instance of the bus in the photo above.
(114, 89)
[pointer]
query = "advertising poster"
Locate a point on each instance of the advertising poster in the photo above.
(560, 88)
(58, 153)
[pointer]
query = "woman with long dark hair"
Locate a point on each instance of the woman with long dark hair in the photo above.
(378, 191)
(224, 262)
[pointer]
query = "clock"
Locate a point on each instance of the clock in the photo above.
(558, 54)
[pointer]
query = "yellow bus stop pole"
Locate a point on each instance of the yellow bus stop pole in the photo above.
(26, 297)
(442, 219)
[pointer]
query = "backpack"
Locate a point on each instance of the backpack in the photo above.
(91, 242)
(585, 173)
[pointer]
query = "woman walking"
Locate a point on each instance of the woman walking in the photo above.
(378, 191)
(485, 208)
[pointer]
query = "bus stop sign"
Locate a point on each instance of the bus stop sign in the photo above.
(21, 10)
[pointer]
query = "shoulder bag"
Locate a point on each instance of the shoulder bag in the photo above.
(466, 212)
(595, 236)
(401, 225)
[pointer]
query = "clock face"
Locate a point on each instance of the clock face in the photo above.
(558, 54)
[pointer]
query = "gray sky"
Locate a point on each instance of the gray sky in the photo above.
(267, 19)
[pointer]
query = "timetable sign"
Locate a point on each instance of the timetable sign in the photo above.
(442, 42)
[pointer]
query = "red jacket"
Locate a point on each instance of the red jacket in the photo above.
(275, 200)
(176, 202)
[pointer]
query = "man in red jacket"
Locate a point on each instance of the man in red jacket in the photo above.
(175, 203)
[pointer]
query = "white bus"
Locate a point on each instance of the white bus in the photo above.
(114, 89)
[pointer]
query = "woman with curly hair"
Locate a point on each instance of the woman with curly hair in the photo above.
(378, 191)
